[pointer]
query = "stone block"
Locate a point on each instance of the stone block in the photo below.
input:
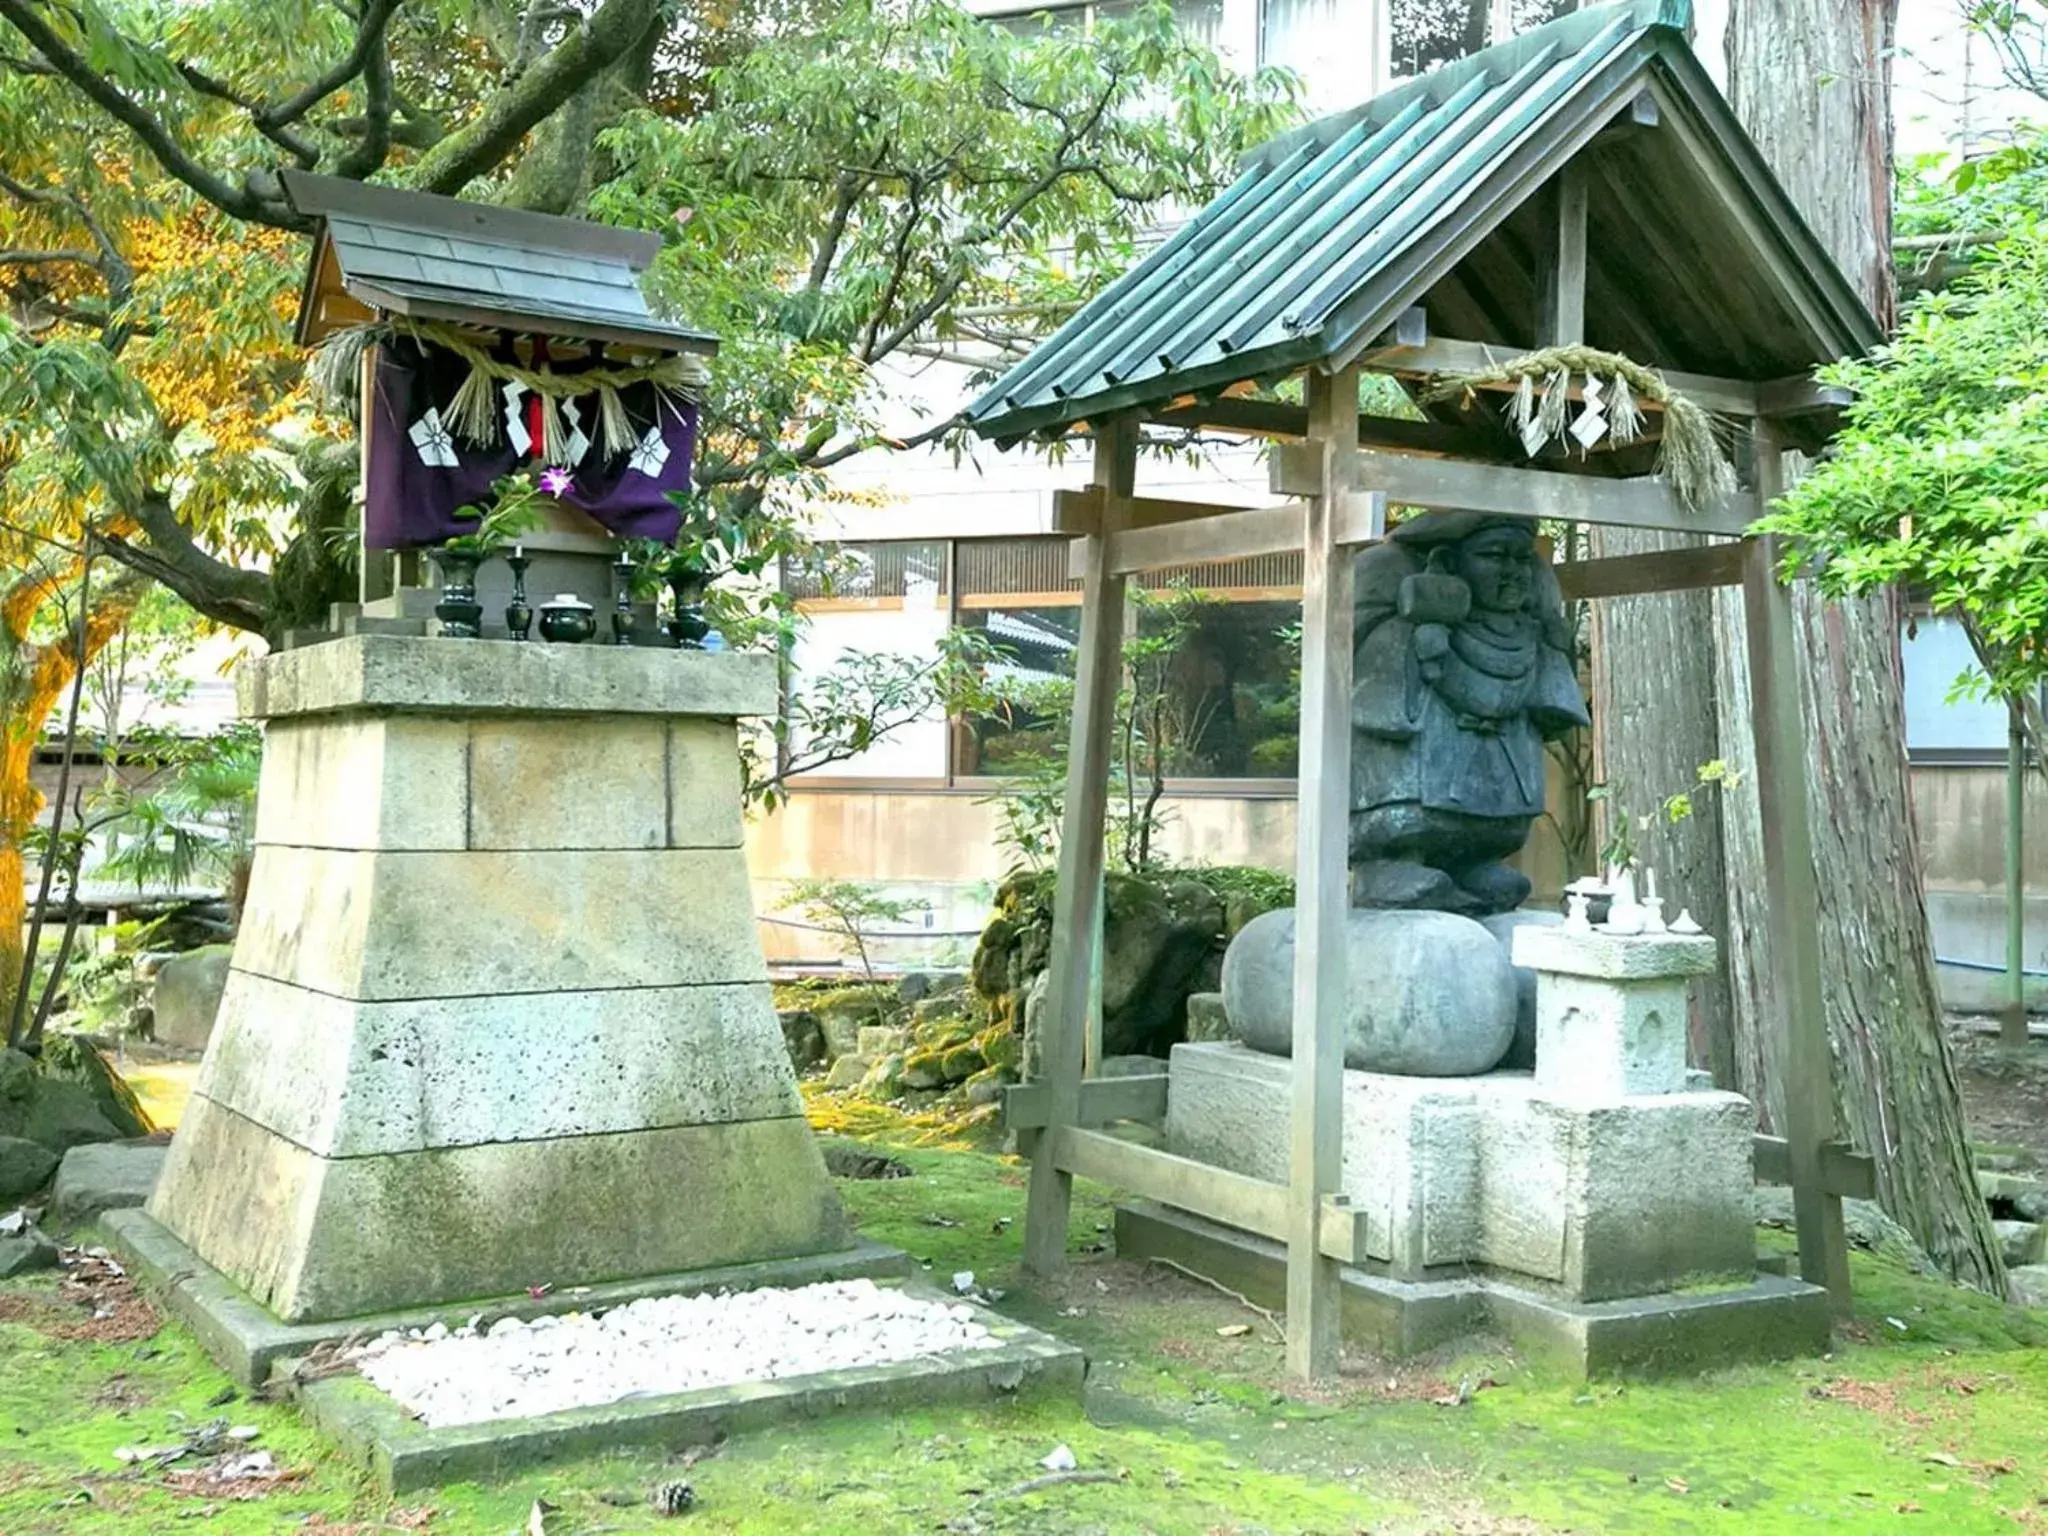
(364, 782)
(112, 1176)
(1627, 1198)
(1660, 1196)
(415, 925)
(186, 997)
(847, 1071)
(314, 1238)
(2028, 1285)
(1613, 956)
(25, 1167)
(1599, 1040)
(549, 781)
(354, 1079)
(437, 676)
(704, 785)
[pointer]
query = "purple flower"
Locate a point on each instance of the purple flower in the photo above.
(556, 482)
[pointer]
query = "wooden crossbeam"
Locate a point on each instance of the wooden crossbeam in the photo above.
(1800, 395)
(1028, 1106)
(1661, 570)
(1442, 483)
(1275, 418)
(1844, 1172)
(1252, 1205)
(1209, 535)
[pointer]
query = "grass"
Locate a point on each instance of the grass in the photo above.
(1932, 1414)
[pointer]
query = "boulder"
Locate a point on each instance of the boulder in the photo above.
(1429, 994)
(985, 1087)
(2019, 1195)
(923, 1069)
(841, 1034)
(2028, 1285)
(55, 1112)
(1502, 925)
(959, 1062)
(25, 1167)
(187, 996)
(111, 1177)
(1155, 940)
(2020, 1241)
(1864, 1221)
(884, 1079)
(28, 1251)
(882, 1039)
(847, 1071)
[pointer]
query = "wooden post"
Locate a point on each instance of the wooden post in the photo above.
(1321, 890)
(1561, 262)
(1077, 901)
(2012, 1029)
(374, 578)
(1792, 897)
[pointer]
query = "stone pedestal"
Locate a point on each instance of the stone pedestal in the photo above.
(498, 1015)
(1610, 1009)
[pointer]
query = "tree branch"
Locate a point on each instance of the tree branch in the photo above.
(49, 258)
(225, 593)
(374, 146)
(155, 137)
(586, 52)
(296, 145)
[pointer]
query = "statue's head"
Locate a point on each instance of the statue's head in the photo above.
(1496, 563)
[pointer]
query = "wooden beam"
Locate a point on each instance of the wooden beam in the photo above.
(1801, 394)
(1227, 535)
(1792, 899)
(1561, 261)
(1662, 570)
(1731, 397)
(1447, 484)
(1274, 418)
(1844, 1171)
(1077, 900)
(1027, 1106)
(1080, 512)
(1315, 1167)
(1250, 1205)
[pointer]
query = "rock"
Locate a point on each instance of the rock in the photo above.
(803, 1038)
(940, 1010)
(1502, 925)
(2028, 1285)
(25, 1166)
(1000, 1047)
(841, 1033)
(1430, 994)
(985, 1087)
(847, 1071)
(105, 1178)
(55, 1112)
(1865, 1222)
(187, 996)
(882, 1039)
(922, 1069)
(30, 1251)
(1034, 1006)
(1154, 944)
(1207, 1020)
(73, 1058)
(2021, 1241)
(917, 986)
(884, 1079)
(913, 987)
(2015, 1194)
(990, 971)
(960, 1062)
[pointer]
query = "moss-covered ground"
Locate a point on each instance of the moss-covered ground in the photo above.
(1931, 1415)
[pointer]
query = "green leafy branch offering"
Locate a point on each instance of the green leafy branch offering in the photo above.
(515, 510)
(1620, 850)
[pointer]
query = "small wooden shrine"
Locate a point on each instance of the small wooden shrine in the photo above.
(487, 340)
(1525, 240)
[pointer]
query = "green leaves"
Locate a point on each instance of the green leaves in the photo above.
(1939, 480)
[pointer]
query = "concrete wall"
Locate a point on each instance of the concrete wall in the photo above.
(1961, 812)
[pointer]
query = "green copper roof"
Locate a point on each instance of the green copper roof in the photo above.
(1332, 230)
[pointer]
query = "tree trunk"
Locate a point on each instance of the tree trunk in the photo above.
(1655, 724)
(1810, 80)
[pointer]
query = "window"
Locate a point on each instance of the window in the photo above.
(1019, 593)
(883, 599)
(1229, 693)
(1936, 652)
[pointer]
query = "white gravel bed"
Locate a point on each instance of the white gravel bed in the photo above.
(513, 1369)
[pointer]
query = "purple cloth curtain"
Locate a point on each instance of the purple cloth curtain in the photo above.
(421, 472)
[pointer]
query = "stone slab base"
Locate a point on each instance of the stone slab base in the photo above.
(407, 1455)
(246, 1341)
(1770, 1318)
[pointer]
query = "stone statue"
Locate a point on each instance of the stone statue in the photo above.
(1462, 670)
